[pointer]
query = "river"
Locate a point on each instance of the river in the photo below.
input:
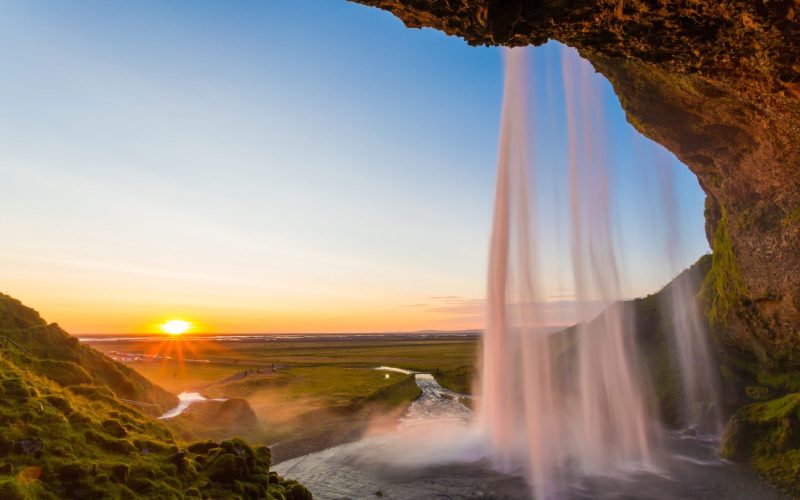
(435, 452)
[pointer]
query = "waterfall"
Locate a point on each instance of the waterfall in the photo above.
(578, 403)
(701, 405)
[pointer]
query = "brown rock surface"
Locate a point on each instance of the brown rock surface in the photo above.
(717, 83)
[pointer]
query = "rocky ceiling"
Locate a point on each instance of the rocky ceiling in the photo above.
(718, 83)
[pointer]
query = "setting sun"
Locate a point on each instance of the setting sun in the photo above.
(176, 327)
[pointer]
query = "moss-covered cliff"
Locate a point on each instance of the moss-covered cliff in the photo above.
(65, 431)
(60, 357)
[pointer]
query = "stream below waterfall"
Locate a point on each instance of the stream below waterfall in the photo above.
(185, 400)
(436, 452)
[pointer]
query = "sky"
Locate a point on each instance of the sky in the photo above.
(274, 166)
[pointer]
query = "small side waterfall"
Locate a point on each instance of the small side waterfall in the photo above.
(701, 405)
(577, 403)
(699, 375)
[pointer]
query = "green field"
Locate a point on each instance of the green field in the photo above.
(307, 393)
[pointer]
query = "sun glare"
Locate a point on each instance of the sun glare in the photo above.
(176, 327)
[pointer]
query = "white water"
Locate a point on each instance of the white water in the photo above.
(186, 399)
(435, 453)
(393, 369)
(435, 430)
(699, 375)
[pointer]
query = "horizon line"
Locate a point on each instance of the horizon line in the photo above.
(195, 334)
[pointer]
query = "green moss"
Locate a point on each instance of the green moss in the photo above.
(775, 410)
(787, 381)
(781, 468)
(64, 373)
(9, 490)
(458, 379)
(114, 428)
(723, 289)
(757, 392)
(391, 396)
(791, 219)
(62, 429)
(53, 353)
(767, 435)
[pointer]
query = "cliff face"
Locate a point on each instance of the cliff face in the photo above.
(717, 83)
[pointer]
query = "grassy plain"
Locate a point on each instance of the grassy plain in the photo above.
(307, 392)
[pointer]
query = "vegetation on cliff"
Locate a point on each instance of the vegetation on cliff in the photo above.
(55, 354)
(723, 288)
(767, 436)
(64, 433)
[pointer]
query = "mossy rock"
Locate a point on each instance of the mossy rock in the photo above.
(142, 485)
(263, 457)
(238, 447)
(78, 420)
(120, 473)
(147, 446)
(9, 490)
(16, 389)
(65, 373)
(29, 446)
(276, 492)
(251, 489)
(180, 462)
(202, 447)
(74, 473)
(227, 468)
(297, 491)
(757, 392)
(767, 435)
(114, 428)
(61, 404)
(121, 446)
(93, 392)
(6, 446)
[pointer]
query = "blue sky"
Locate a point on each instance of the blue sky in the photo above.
(261, 166)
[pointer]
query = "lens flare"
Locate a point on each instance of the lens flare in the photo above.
(176, 327)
